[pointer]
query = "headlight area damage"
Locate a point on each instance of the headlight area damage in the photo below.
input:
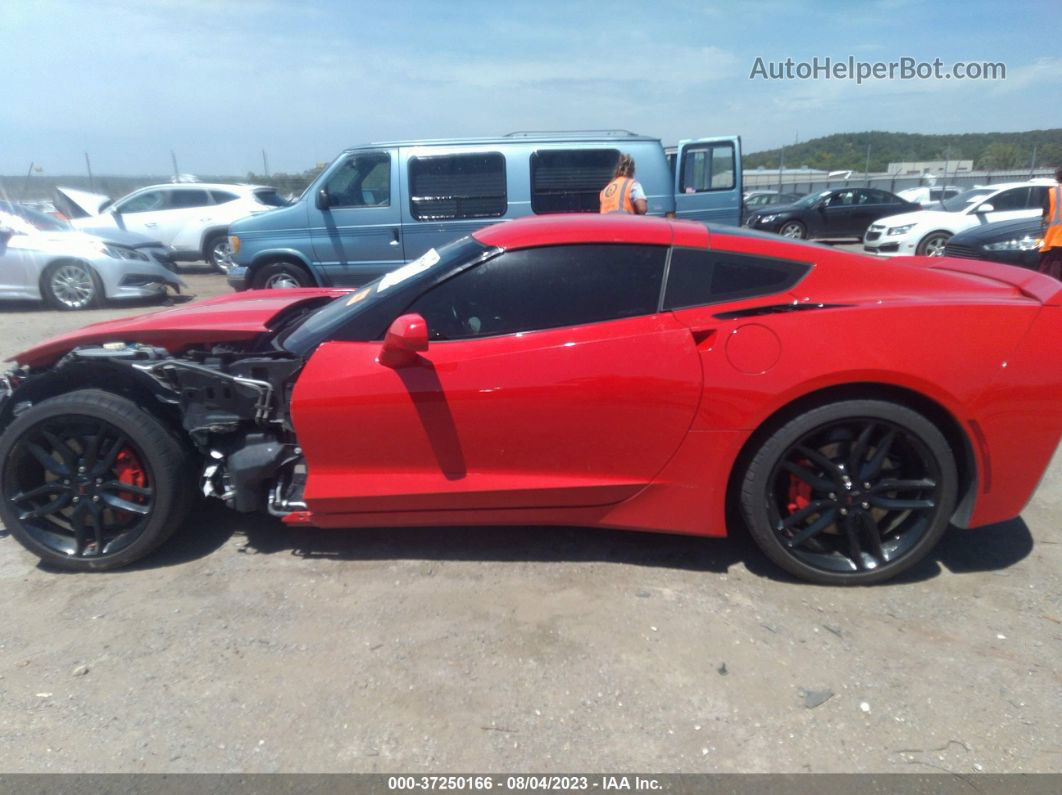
(230, 399)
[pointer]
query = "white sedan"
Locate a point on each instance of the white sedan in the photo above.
(193, 218)
(926, 232)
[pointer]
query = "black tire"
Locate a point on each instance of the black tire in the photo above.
(281, 275)
(217, 253)
(126, 492)
(70, 285)
(811, 518)
(932, 245)
(795, 230)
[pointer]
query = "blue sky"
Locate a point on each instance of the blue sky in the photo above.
(219, 80)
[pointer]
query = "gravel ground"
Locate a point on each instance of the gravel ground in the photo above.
(246, 646)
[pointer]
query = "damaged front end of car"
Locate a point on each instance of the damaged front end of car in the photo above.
(228, 402)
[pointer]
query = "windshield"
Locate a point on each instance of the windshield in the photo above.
(811, 198)
(39, 220)
(270, 198)
(959, 203)
(318, 325)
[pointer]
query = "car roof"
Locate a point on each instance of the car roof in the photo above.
(553, 230)
(591, 136)
(240, 186)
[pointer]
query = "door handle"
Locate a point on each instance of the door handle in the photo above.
(152, 225)
(394, 237)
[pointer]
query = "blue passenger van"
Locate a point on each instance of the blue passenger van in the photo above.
(380, 205)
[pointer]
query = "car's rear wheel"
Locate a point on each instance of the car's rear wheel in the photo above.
(793, 229)
(932, 245)
(91, 481)
(217, 252)
(850, 493)
(71, 285)
(281, 276)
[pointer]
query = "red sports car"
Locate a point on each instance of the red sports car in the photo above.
(614, 371)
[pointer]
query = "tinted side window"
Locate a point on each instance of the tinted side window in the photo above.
(708, 167)
(569, 181)
(542, 288)
(698, 277)
(1014, 199)
(222, 196)
(363, 180)
(184, 199)
(1037, 197)
(457, 186)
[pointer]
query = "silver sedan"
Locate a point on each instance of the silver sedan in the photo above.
(74, 270)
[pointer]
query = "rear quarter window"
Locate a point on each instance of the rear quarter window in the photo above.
(698, 277)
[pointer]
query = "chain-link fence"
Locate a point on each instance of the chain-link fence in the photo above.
(807, 183)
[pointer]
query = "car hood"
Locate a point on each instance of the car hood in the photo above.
(1001, 230)
(228, 318)
(776, 209)
(919, 217)
(74, 203)
(121, 237)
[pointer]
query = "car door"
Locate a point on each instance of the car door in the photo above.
(550, 381)
(708, 180)
(355, 220)
(143, 212)
(835, 214)
(20, 263)
(188, 211)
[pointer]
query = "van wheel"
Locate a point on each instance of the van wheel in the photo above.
(282, 276)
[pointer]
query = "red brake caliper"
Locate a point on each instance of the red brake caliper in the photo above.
(128, 469)
(799, 492)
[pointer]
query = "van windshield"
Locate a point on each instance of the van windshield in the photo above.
(320, 324)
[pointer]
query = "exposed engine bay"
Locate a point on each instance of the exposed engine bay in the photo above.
(231, 401)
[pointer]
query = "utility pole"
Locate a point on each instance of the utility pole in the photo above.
(176, 171)
(265, 162)
(1032, 163)
(25, 185)
(781, 166)
(866, 168)
(88, 167)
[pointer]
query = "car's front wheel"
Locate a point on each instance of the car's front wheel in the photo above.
(89, 480)
(217, 252)
(851, 493)
(71, 285)
(933, 244)
(281, 276)
(794, 230)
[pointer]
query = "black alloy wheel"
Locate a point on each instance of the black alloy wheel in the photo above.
(91, 481)
(851, 493)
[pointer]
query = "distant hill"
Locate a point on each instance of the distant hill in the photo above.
(844, 151)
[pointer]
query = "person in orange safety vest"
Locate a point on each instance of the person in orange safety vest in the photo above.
(1051, 247)
(624, 194)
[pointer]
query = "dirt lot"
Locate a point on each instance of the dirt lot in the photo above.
(245, 646)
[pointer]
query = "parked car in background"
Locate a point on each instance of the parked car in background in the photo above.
(40, 259)
(929, 197)
(594, 370)
(926, 232)
(756, 199)
(380, 205)
(1011, 242)
(841, 212)
(44, 222)
(193, 218)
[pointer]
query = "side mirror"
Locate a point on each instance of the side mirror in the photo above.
(323, 199)
(407, 336)
(984, 208)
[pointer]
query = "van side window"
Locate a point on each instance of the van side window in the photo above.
(364, 180)
(569, 180)
(699, 276)
(448, 187)
(707, 167)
